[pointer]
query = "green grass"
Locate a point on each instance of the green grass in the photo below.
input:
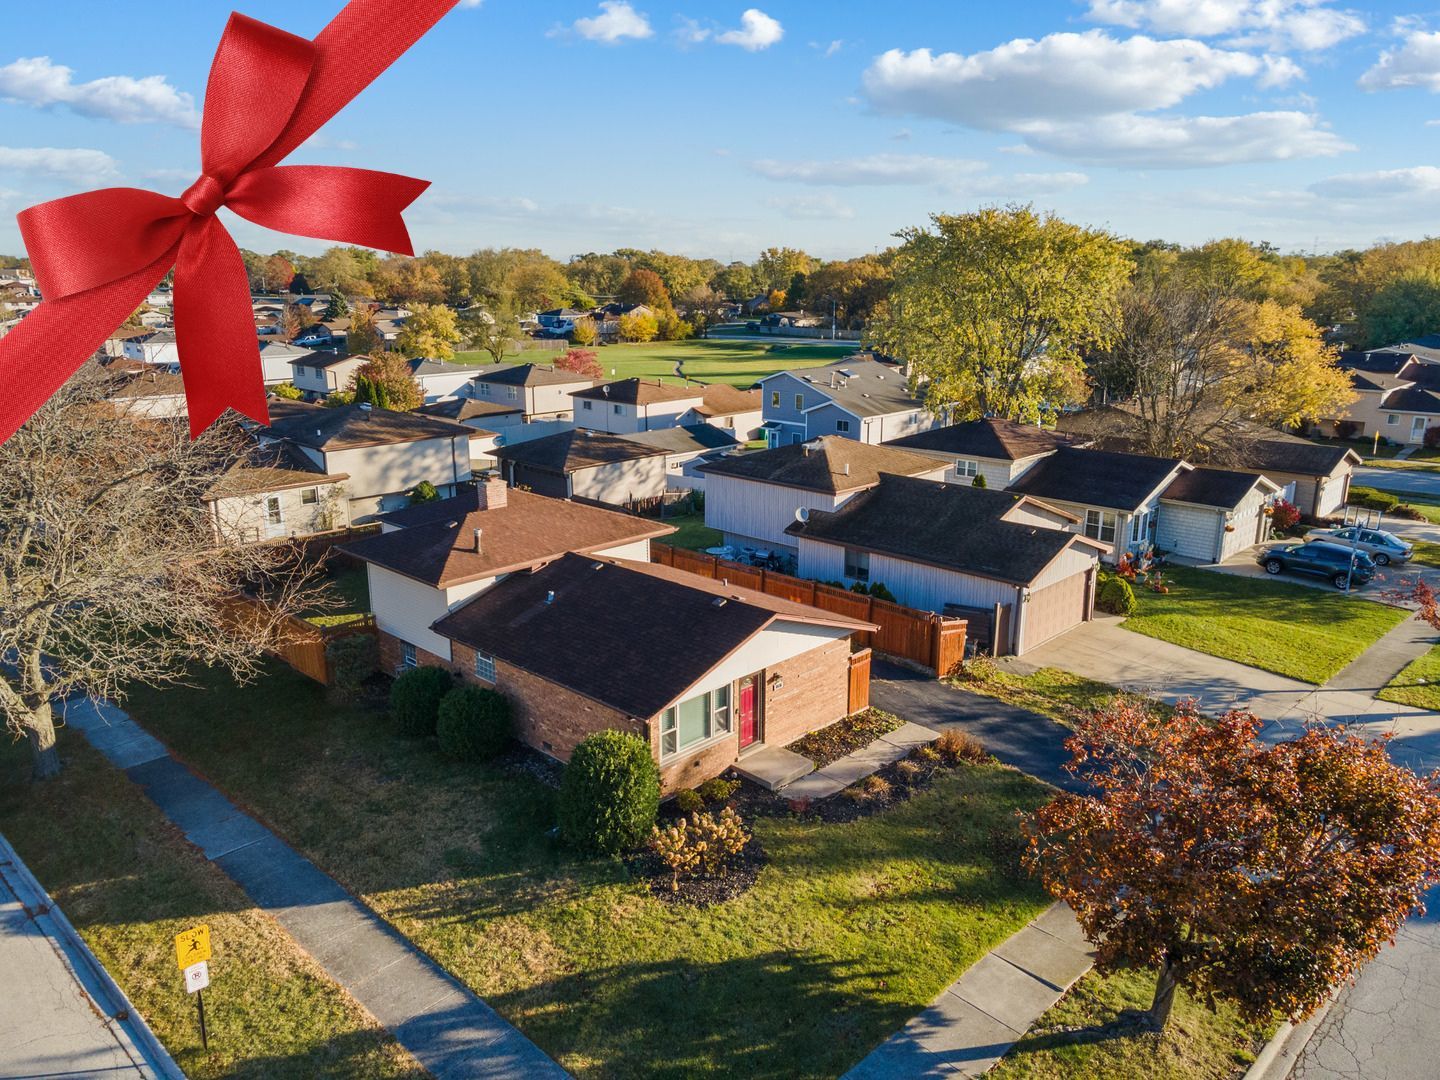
(130, 882)
(1292, 630)
(739, 363)
(1426, 554)
(351, 586)
(1415, 463)
(692, 533)
(1084, 1037)
(851, 930)
(1050, 692)
(1426, 506)
(1418, 684)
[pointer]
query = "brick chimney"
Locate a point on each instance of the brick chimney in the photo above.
(491, 493)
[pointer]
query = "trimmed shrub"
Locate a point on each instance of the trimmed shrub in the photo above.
(1372, 499)
(351, 661)
(1116, 596)
(689, 801)
(979, 482)
(415, 700)
(880, 592)
(474, 723)
(610, 794)
(702, 846)
(718, 790)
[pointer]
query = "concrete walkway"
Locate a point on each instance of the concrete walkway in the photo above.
(448, 1030)
(61, 1014)
(978, 1017)
(837, 776)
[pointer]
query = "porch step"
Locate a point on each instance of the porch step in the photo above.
(773, 767)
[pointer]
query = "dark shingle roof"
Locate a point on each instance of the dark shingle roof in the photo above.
(436, 541)
(822, 465)
(1292, 456)
(350, 426)
(1220, 488)
(1096, 478)
(987, 438)
(466, 408)
(570, 451)
(693, 438)
(947, 525)
(641, 392)
(527, 375)
(644, 634)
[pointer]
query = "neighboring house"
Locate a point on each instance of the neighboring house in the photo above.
(319, 374)
(685, 446)
(156, 347)
(151, 392)
(431, 558)
(754, 498)
(114, 346)
(277, 492)
(385, 454)
(560, 320)
(792, 320)
(323, 335)
(1116, 496)
(1212, 514)
(857, 399)
(704, 672)
(633, 405)
(587, 465)
(737, 411)
(489, 415)
(1316, 478)
(276, 358)
(947, 548)
(542, 393)
(999, 450)
(1397, 392)
(439, 380)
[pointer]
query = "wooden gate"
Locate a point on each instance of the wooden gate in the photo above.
(859, 681)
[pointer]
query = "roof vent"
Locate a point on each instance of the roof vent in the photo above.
(719, 602)
(847, 468)
(550, 596)
(477, 540)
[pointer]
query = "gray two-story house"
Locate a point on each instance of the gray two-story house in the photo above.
(855, 399)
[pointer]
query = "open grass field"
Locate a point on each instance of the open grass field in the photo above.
(1418, 684)
(710, 360)
(129, 882)
(1295, 631)
(850, 930)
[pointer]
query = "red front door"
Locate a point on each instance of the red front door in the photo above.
(749, 726)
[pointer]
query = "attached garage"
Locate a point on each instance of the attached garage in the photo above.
(1210, 515)
(1054, 609)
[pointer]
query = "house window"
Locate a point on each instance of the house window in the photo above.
(485, 667)
(799, 402)
(619, 410)
(408, 659)
(299, 369)
(775, 399)
(1392, 419)
(842, 426)
(272, 510)
(967, 470)
(310, 496)
(1100, 525)
(695, 721)
(857, 565)
(484, 389)
(514, 392)
(1140, 527)
(587, 405)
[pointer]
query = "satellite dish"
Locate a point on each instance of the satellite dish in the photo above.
(802, 514)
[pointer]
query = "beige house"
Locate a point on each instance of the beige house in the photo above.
(631, 406)
(541, 392)
(152, 392)
(276, 493)
(1397, 393)
(999, 450)
(318, 375)
(740, 412)
(591, 466)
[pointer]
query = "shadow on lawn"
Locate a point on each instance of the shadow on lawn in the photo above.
(776, 1014)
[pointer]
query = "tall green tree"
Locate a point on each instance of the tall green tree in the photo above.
(1403, 309)
(431, 330)
(994, 310)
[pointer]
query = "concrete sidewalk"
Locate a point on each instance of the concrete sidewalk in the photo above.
(61, 1014)
(852, 768)
(448, 1030)
(978, 1017)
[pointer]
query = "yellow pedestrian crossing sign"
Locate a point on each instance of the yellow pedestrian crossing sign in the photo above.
(192, 946)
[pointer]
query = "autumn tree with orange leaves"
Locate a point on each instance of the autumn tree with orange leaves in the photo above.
(1264, 875)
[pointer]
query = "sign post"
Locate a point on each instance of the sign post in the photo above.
(192, 953)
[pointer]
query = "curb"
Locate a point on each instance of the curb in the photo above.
(1279, 1055)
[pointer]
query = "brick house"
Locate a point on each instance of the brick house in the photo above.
(703, 671)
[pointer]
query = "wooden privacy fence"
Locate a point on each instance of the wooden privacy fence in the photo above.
(921, 637)
(301, 644)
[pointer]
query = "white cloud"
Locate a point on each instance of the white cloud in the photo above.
(813, 208)
(757, 31)
(616, 22)
(1421, 180)
(40, 82)
(1415, 63)
(1307, 25)
(471, 3)
(1188, 142)
(691, 32)
(82, 166)
(874, 170)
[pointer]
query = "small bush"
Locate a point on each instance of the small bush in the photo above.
(956, 746)
(1371, 499)
(610, 793)
(415, 700)
(424, 492)
(910, 771)
(979, 482)
(351, 661)
(702, 846)
(689, 801)
(876, 787)
(1117, 597)
(718, 790)
(474, 723)
(926, 755)
(880, 592)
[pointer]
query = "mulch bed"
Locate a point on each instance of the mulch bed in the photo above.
(739, 879)
(830, 744)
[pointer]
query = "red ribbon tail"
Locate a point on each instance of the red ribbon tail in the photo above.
(215, 328)
(53, 341)
(347, 206)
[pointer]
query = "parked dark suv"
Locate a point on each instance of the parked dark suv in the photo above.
(1319, 559)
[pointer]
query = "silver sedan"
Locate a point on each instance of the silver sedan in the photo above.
(1384, 547)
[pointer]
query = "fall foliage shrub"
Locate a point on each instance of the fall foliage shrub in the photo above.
(955, 747)
(689, 801)
(474, 723)
(1284, 515)
(610, 793)
(702, 845)
(415, 700)
(718, 790)
(1117, 597)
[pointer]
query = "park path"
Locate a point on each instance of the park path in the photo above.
(444, 1026)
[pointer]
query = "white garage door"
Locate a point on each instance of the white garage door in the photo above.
(1247, 525)
(1053, 610)
(1188, 531)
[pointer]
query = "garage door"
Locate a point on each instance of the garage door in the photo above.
(1247, 527)
(1053, 610)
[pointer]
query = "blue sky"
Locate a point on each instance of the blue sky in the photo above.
(713, 129)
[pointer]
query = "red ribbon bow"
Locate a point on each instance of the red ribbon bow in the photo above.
(97, 256)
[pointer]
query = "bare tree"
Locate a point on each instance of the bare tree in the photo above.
(110, 569)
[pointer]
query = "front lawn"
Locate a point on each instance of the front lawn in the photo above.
(1088, 1034)
(1418, 684)
(129, 882)
(851, 929)
(1426, 554)
(1060, 695)
(1292, 630)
